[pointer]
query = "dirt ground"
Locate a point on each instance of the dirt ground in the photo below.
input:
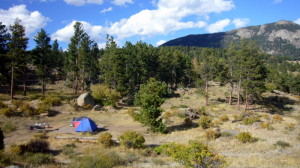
(262, 153)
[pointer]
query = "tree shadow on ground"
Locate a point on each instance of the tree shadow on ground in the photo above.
(278, 104)
(182, 127)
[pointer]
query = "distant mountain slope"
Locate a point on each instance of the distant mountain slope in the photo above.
(279, 38)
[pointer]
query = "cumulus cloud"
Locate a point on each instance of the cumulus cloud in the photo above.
(83, 2)
(160, 42)
(106, 10)
(32, 21)
(169, 16)
(96, 32)
(218, 26)
(240, 22)
(297, 21)
(122, 2)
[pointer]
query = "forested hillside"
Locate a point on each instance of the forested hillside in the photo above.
(126, 68)
(279, 38)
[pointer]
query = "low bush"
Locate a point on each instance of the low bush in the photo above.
(224, 118)
(27, 110)
(245, 137)
(105, 95)
(183, 106)
(54, 101)
(195, 154)
(250, 120)
(35, 146)
(43, 108)
(8, 127)
(205, 122)
(8, 112)
(68, 149)
(212, 135)
(290, 126)
(38, 159)
(132, 139)
(41, 135)
(277, 118)
(282, 144)
(99, 160)
(2, 105)
(106, 140)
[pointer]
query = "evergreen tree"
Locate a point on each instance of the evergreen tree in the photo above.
(17, 54)
(42, 57)
(150, 98)
(252, 71)
(72, 64)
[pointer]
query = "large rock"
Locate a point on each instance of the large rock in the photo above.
(85, 99)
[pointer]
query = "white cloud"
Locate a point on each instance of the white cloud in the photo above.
(218, 26)
(32, 21)
(160, 42)
(240, 22)
(106, 10)
(83, 2)
(122, 2)
(277, 1)
(167, 17)
(96, 32)
(297, 21)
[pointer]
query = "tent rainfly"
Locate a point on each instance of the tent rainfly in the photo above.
(86, 125)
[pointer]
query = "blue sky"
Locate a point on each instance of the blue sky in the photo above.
(153, 21)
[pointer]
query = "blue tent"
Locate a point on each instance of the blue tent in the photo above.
(86, 125)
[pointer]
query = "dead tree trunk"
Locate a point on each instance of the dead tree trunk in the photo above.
(12, 83)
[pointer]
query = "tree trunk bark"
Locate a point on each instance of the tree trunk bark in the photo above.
(12, 83)
(239, 90)
(206, 93)
(247, 101)
(24, 89)
(231, 91)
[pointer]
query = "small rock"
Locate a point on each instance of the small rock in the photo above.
(96, 108)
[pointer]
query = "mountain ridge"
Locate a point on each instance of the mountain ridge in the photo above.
(277, 38)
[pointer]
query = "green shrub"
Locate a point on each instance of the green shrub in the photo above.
(205, 122)
(162, 148)
(196, 154)
(224, 118)
(68, 149)
(43, 108)
(27, 110)
(15, 149)
(2, 105)
(250, 120)
(39, 158)
(99, 160)
(290, 126)
(104, 95)
(245, 137)
(9, 127)
(212, 135)
(282, 144)
(106, 140)
(54, 101)
(201, 111)
(8, 112)
(132, 139)
(277, 118)
(35, 146)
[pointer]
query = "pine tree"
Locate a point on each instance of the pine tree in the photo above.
(72, 64)
(42, 57)
(17, 50)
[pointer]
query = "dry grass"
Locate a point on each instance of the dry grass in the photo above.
(262, 153)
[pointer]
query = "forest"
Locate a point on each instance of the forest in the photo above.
(126, 68)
